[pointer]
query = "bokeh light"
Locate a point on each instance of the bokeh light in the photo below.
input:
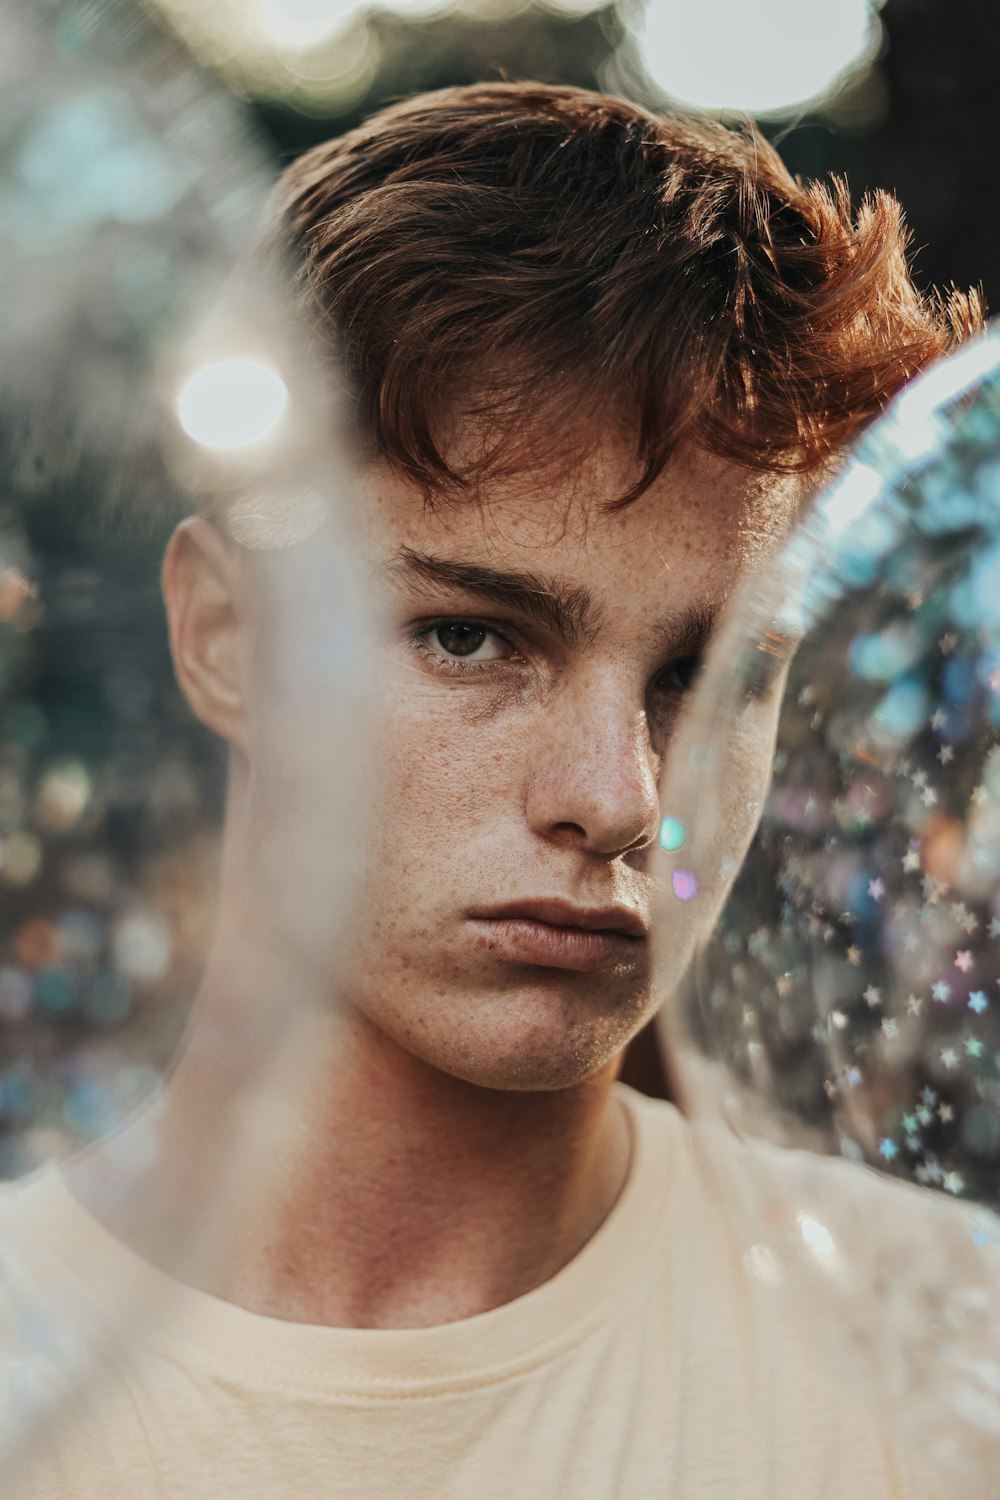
(232, 403)
(764, 59)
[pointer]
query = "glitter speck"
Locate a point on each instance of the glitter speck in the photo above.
(685, 886)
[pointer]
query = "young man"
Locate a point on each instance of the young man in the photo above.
(598, 360)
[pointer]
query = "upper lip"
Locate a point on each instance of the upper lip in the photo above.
(558, 913)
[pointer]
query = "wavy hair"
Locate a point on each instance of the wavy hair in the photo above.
(539, 259)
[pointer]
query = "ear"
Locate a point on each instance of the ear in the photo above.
(201, 589)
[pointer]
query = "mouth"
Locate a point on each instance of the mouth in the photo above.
(557, 934)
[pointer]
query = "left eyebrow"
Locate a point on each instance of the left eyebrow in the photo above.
(688, 632)
(568, 611)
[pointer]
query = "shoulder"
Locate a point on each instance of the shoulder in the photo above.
(845, 1268)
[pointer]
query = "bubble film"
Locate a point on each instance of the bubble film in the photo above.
(150, 368)
(848, 999)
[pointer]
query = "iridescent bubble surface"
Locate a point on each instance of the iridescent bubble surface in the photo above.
(840, 771)
(148, 368)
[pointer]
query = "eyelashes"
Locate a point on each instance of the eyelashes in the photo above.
(465, 644)
(458, 642)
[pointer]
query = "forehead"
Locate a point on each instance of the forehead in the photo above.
(698, 527)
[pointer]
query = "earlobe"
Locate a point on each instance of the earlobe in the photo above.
(201, 590)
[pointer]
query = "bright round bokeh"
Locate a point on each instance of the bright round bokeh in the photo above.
(831, 859)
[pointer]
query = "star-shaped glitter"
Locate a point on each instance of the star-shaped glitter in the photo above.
(914, 1005)
(854, 956)
(941, 991)
(911, 943)
(929, 796)
(954, 1182)
(948, 642)
(852, 1077)
(938, 719)
(783, 985)
(910, 1124)
(963, 960)
(919, 779)
(924, 1115)
(973, 1046)
(928, 1095)
(946, 1113)
(911, 861)
(889, 1028)
(995, 927)
(888, 1149)
(978, 1002)
(949, 1057)
(872, 997)
(946, 755)
(838, 1020)
(876, 888)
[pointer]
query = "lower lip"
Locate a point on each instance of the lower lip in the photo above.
(525, 941)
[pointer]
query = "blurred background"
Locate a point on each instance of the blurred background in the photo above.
(107, 790)
(900, 95)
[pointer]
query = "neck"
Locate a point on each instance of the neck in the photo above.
(364, 1188)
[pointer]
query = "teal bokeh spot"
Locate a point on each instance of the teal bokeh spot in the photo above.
(55, 991)
(673, 834)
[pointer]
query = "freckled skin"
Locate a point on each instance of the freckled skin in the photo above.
(537, 776)
(426, 1126)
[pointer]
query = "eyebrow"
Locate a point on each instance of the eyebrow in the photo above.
(569, 612)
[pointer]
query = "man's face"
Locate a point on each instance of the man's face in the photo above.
(527, 691)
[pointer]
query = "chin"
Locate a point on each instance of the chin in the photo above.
(523, 1046)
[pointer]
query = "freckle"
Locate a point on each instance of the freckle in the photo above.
(498, 757)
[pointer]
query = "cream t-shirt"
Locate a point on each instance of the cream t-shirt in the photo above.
(683, 1354)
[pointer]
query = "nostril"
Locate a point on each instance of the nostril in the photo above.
(576, 829)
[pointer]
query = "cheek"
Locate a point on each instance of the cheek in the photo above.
(447, 753)
(447, 802)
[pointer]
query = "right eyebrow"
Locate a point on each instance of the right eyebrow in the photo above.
(568, 611)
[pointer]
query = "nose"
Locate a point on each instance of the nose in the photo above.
(593, 780)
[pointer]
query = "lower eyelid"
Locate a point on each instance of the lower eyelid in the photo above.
(420, 644)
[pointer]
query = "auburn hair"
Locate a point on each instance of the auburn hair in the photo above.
(540, 258)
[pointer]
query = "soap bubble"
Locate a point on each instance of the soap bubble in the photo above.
(839, 784)
(150, 366)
